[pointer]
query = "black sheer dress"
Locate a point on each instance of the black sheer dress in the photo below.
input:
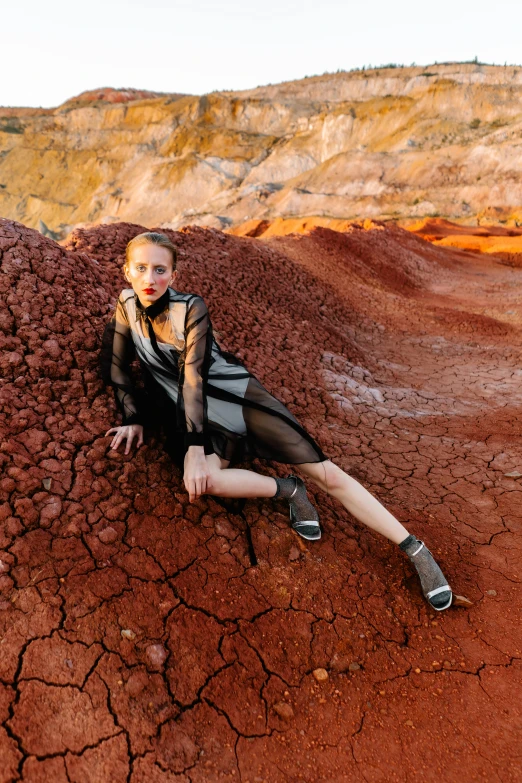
(199, 393)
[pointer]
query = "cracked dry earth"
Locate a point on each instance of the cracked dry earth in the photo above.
(138, 643)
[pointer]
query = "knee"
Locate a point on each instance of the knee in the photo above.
(216, 471)
(329, 477)
(213, 483)
(336, 479)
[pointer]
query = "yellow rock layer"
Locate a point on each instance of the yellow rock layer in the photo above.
(390, 143)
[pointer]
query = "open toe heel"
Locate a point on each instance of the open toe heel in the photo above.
(438, 591)
(308, 529)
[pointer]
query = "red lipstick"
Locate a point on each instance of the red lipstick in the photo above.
(149, 291)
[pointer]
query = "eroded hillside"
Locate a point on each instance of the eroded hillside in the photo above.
(388, 143)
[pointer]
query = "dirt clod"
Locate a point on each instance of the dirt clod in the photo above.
(284, 710)
(108, 535)
(321, 675)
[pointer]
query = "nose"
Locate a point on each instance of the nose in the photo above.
(149, 276)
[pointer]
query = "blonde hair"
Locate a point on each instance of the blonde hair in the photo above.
(151, 238)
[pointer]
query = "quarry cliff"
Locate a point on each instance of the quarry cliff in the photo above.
(387, 143)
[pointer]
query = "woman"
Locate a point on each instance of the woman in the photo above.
(218, 413)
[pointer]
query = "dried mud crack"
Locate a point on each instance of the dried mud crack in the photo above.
(139, 642)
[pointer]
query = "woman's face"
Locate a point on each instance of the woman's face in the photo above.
(149, 271)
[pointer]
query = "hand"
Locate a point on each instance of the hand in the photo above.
(196, 475)
(128, 431)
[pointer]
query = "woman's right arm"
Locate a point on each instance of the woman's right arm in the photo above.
(117, 353)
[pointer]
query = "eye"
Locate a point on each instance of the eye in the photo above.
(140, 268)
(160, 270)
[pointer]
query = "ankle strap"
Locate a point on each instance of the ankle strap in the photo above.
(295, 490)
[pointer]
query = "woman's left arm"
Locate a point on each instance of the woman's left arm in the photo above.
(198, 343)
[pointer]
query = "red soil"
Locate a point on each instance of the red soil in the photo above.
(138, 644)
(504, 242)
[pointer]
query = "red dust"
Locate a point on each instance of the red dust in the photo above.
(138, 643)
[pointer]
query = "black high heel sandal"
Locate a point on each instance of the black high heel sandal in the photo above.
(438, 590)
(309, 529)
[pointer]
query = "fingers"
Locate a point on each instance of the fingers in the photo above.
(117, 440)
(128, 433)
(197, 486)
(196, 477)
(189, 486)
(130, 437)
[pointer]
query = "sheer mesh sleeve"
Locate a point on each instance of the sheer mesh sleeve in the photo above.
(198, 343)
(116, 355)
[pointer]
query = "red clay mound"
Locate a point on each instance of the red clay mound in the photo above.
(138, 642)
(368, 267)
(377, 255)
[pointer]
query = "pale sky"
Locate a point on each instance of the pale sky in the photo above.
(51, 51)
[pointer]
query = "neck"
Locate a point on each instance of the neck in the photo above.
(155, 307)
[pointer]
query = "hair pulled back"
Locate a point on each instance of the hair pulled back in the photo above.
(151, 238)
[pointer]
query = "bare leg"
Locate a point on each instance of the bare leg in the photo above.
(237, 483)
(355, 498)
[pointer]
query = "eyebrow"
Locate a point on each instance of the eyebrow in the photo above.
(156, 263)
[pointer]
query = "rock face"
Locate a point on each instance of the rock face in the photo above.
(137, 641)
(110, 95)
(384, 143)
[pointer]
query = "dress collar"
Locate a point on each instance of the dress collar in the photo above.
(153, 309)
